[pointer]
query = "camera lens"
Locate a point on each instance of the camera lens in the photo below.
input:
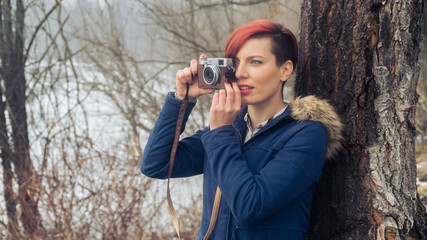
(211, 74)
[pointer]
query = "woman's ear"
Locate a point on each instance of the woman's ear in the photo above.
(286, 70)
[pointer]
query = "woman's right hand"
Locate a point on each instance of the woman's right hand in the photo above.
(189, 75)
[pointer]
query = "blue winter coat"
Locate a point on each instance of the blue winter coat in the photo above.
(267, 183)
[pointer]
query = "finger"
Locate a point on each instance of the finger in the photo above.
(180, 82)
(230, 94)
(237, 95)
(222, 98)
(193, 67)
(188, 75)
(202, 56)
(180, 76)
(236, 90)
(206, 91)
(215, 100)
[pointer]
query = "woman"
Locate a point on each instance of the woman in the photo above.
(265, 156)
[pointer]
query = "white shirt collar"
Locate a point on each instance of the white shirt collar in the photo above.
(249, 132)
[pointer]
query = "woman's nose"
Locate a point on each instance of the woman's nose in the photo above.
(240, 72)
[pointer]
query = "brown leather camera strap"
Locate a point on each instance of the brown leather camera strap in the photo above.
(214, 214)
(171, 161)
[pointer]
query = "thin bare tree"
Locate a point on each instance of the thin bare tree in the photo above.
(14, 141)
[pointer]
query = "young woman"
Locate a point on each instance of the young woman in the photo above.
(264, 155)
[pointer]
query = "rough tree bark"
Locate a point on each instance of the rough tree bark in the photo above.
(6, 154)
(16, 149)
(363, 57)
(424, 51)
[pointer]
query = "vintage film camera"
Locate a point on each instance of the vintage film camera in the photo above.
(212, 73)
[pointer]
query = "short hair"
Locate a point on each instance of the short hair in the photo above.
(284, 45)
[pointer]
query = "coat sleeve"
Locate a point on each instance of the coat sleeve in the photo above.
(190, 153)
(296, 167)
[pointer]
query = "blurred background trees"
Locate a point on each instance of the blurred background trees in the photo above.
(81, 84)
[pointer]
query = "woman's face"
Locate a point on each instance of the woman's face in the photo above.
(259, 78)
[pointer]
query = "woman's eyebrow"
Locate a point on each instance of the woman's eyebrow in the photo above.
(250, 57)
(255, 56)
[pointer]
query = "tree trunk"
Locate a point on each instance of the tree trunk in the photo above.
(423, 58)
(13, 75)
(363, 57)
(6, 156)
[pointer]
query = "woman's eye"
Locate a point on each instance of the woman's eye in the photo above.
(256, 62)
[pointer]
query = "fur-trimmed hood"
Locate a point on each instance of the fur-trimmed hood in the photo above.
(312, 108)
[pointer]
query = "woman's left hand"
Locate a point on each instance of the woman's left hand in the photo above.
(225, 106)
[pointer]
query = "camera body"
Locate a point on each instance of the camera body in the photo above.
(212, 73)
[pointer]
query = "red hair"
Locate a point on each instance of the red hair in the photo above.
(284, 43)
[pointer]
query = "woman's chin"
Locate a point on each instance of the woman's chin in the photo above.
(246, 101)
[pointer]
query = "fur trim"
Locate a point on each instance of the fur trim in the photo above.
(314, 109)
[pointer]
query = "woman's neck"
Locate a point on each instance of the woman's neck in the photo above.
(259, 114)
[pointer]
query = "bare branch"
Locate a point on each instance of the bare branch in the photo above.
(33, 36)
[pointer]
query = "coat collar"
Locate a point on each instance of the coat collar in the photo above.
(240, 122)
(308, 108)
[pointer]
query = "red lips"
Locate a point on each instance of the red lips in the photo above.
(244, 89)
